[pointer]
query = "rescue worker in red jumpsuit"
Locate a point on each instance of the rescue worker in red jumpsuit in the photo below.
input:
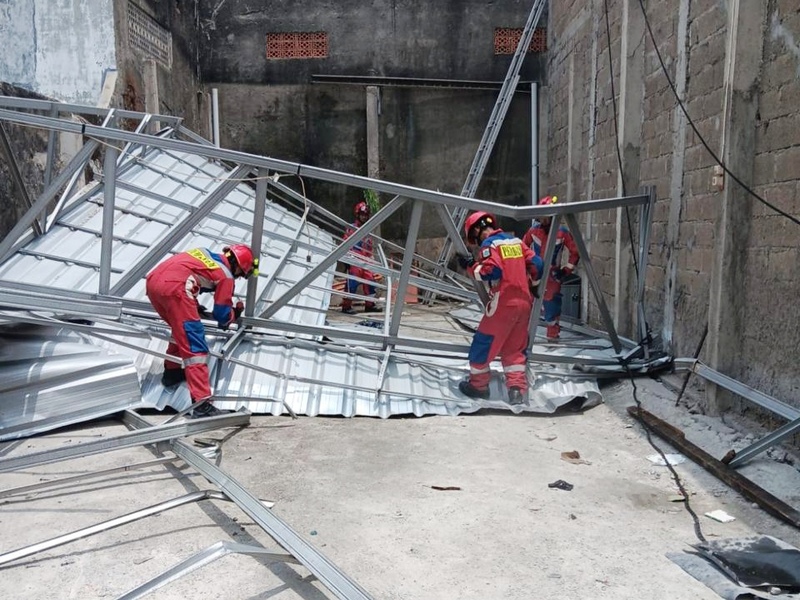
(508, 267)
(173, 287)
(536, 238)
(362, 248)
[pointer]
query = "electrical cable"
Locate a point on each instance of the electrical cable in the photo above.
(648, 434)
(744, 186)
(698, 531)
(616, 137)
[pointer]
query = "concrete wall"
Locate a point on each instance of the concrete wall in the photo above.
(149, 85)
(717, 257)
(60, 50)
(29, 147)
(427, 137)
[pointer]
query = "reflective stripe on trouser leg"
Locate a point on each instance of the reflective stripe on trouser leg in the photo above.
(197, 377)
(513, 354)
(479, 358)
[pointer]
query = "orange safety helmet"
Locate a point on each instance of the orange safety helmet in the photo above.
(361, 211)
(548, 200)
(477, 219)
(243, 257)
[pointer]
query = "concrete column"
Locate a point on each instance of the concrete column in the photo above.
(746, 25)
(151, 100)
(373, 147)
(373, 135)
(629, 117)
(588, 217)
(676, 179)
(573, 144)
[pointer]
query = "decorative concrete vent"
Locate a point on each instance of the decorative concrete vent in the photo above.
(507, 38)
(148, 37)
(298, 44)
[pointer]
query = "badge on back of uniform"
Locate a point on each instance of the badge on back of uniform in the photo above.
(486, 253)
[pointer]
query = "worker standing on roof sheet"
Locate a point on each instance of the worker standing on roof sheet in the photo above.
(173, 287)
(536, 238)
(364, 249)
(509, 268)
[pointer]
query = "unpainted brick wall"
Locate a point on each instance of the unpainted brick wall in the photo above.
(674, 161)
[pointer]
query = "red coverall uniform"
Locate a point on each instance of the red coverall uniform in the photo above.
(536, 238)
(364, 248)
(173, 287)
(504, 263)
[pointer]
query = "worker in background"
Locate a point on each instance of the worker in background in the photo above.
(173, 287)
(509, 268)
(364, 249)
(536, 238)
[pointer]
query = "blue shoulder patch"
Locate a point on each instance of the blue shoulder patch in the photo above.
(486, 253)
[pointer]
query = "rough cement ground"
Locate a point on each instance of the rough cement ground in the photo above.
(361, 491)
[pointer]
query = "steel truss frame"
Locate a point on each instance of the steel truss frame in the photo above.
(170, 437)
(247, 165)
(413, 270)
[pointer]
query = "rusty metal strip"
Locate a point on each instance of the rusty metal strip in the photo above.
(776, 507)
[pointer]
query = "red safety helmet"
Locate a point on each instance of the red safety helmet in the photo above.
(243, 256)
(477, 219)
(548, 200)
(361, 211)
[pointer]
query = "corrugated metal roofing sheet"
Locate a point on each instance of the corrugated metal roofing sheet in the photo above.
(51, 378)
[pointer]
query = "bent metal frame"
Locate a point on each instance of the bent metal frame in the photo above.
(112, 304)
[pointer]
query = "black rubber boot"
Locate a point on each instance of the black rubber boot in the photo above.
(205, 409)
(515, 396)
(470, 390)
(173, 377)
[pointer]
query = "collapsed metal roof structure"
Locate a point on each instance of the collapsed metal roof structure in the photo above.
(79, 339)
(81, 273)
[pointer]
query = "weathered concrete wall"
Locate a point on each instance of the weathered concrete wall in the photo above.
(175, 88)
(29, 147)
(424, 142)
(60, 50)
(427, 137)
(758, 317)
(447, 39)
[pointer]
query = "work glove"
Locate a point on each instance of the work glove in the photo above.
(238, 310)
(465, 262)
(566, 272)
(202, 311)
(534, 287)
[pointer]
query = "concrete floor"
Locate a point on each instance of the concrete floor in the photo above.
(361, 491)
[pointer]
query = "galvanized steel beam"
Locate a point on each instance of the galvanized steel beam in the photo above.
(594, 282)
(202, 558)
(56, 108)
(316, 562)
(519, 213)
(159, 250)
(78, 534)
(156, 433)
